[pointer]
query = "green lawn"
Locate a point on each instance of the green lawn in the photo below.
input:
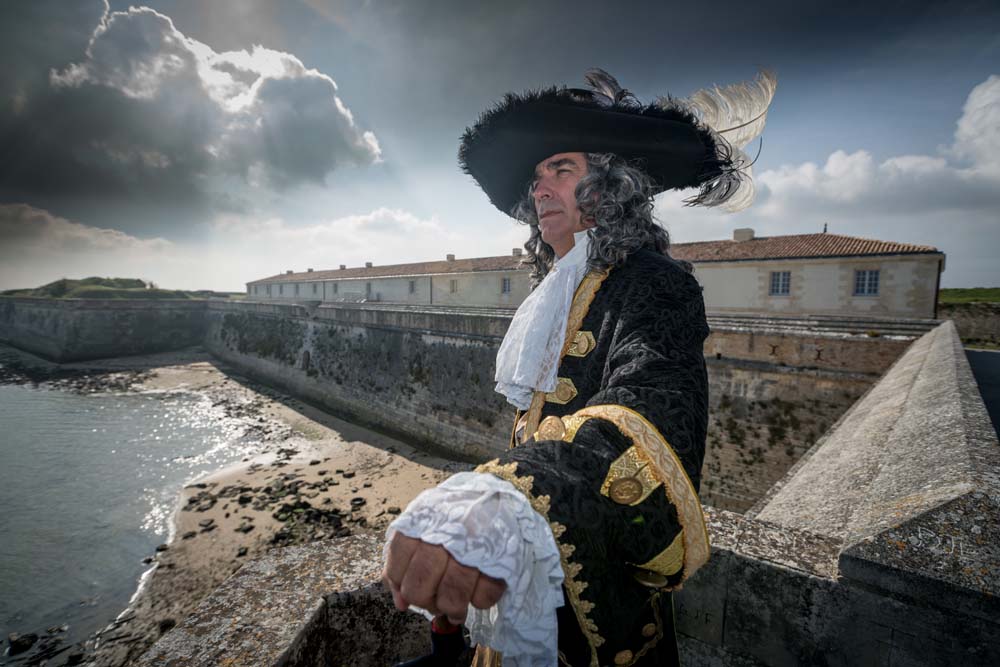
(970, 295)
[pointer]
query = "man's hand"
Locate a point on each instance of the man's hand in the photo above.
(427, 576)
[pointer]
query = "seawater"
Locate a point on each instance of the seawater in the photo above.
(88, 484)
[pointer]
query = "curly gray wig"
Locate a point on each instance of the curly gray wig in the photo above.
(619, 198)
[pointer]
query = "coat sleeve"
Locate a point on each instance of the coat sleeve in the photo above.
(618, 478)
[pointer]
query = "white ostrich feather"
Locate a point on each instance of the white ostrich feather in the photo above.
(734, 190)
(746, 192)
(736, 112)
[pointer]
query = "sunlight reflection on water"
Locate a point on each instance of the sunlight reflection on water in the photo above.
(88, 484)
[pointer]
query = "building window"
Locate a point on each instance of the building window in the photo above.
(453, 286)
(336, 287)
(296, 289)
(866, 283)
(781, 282)
(269, 290)
(505, 285)
(368, 289)
(281, 289)
(314, 288)
(413, 286)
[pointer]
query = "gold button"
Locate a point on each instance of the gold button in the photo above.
(648, 630)
(551, 428)
(650, 578)
(583, 343)
(625, 490)
(623, 657)
(564, 393)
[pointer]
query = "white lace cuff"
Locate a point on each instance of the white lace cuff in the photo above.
(485, 523)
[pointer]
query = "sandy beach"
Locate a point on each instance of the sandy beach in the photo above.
(318, 478)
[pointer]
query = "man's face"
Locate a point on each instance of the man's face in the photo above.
(554, 193)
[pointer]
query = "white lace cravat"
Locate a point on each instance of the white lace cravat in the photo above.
(528, 359)
(485, 523)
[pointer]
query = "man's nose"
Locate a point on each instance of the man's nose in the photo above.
(541, 191)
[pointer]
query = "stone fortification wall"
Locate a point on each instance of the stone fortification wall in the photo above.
(425, 376)
(881, 547)
(865, 350)
(977, 323)
(762, 419)
(65, 330)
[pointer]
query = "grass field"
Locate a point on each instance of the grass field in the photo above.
(970, 294)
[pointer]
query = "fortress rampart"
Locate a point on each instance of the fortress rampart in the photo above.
(880, 546)
(851, 478)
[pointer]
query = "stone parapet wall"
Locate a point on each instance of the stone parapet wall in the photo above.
(909, 482)
(769, 595)
(773, 595)
(66, 330)
(307, 606)
(858, 353)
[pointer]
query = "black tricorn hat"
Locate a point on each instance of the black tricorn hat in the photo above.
(665, 139)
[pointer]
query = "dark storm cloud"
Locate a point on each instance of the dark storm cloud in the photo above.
(142, 117)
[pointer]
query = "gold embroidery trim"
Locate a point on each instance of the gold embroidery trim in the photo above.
(654, 600)
(669, 561)
(486, 657)
(564, 393)
(651, 447)
(631, 466)
(572, 424)
(571, 571)
(513, 431)
(533, 415)
(582, 345)
(582, 299)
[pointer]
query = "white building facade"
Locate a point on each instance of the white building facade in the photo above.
(807, 274)
(816, 274)
(487, 282)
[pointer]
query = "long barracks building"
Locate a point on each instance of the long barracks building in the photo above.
(803, 274)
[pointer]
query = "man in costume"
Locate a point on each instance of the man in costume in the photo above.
(565, 550)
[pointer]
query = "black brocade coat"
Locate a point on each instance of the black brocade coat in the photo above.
(648, 322)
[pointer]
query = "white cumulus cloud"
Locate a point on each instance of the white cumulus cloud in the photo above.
(39, 247)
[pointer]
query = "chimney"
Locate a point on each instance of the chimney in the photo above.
(368, 265)
(309, 270)
(343, 266)
(450, 258)
(288, 272)
(516, 252)
(744, 234)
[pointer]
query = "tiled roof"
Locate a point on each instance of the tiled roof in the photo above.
(502, 263)
(765, 247)
(790, 247)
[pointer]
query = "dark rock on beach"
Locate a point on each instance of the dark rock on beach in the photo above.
(21, 643)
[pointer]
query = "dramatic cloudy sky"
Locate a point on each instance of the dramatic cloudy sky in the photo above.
(205, 144)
